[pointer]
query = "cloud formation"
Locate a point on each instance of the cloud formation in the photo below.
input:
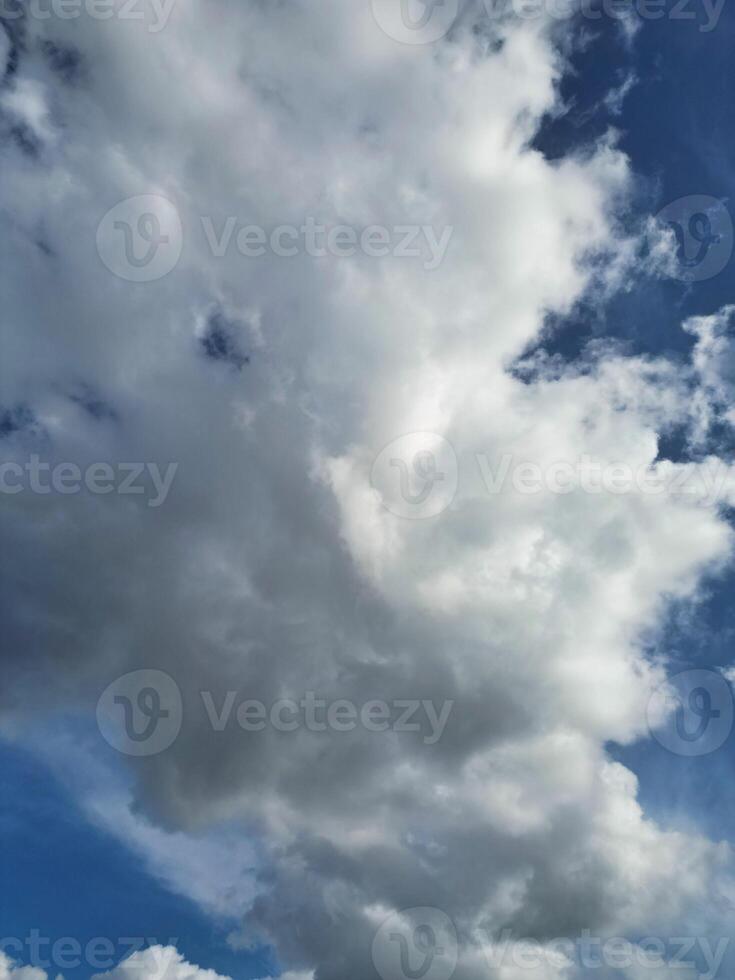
(274, 568)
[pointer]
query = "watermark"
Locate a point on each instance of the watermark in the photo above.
(418, 476)
(155, 13)
(141, 714)
(704, 13)
(67, 478)
(590, 952)
(416, 944)
(319, 241)
(702, 229)
(428, 21)
(316, 714)
(706, 482)
(692, 713)
(98, 953)
(415, 21)
(424, 943)
(141, 239)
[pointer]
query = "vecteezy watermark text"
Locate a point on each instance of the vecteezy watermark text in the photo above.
(427, 21)
(423, 944)
(155, 13)
(418, 474)
(67, 478)
(339, 715)
(593, 476)
(141, 713)
(592, 952)
(97, 953)
(141, 239)
(339, 241)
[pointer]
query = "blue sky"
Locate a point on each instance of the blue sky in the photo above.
(71, 880)
(677, 126)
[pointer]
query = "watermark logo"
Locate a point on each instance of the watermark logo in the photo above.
(416, 475)
(140, 713)
(692, 713)
(426, 21)
(703, 231)
(140, 239)
(416, 944)
(415, 21)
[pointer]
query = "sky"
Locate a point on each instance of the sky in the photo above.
(367, 488)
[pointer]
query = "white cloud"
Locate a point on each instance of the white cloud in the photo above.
(158, 963)
(153, 963)
(714, 360)
(273, 569)
(216, 871)
(9, 970)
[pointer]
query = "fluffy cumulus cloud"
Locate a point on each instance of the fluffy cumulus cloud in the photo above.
(9, 970)
(277, 562)
(158, 963)
(152, 963)
(714, 361)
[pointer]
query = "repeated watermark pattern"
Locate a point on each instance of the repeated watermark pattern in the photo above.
(141, 239)
(66, 478)
(417, 477)
(154, 14)
(98, 953)
(423, 944)
(141, 713)
(428, 21)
